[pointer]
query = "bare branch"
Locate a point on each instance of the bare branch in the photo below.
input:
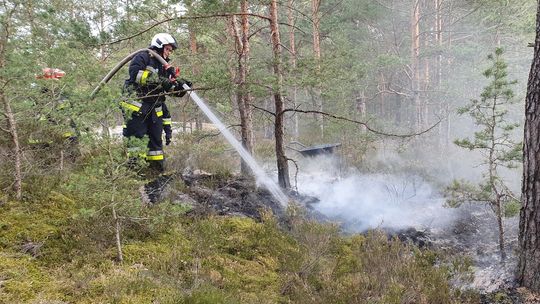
(172, 92)
(264, 110)
(257, 31)
(296, 173)
(363, 123)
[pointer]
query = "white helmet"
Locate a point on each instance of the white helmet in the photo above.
(162, 39)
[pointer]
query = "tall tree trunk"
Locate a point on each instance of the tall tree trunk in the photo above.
(443, 130)
(424, 87)
(243, 97)
(415, 66)
(8, 111)
(361, 109)
(195, 68)
(316, 19)
(247, 119)
(292, 47)
(529, 225)
(282, 163)
(438, 41)
(382, 95)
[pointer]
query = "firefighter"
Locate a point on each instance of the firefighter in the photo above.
(146, 88)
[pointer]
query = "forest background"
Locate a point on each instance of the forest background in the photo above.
(348, 68)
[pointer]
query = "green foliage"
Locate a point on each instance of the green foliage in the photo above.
(461, 191)
(512, 208)
(494, 140)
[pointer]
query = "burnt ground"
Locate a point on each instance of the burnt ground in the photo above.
(208, 194)
(472, 236)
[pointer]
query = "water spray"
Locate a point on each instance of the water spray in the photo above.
(246, 156)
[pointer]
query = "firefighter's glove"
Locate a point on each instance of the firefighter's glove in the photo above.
(167, 84)
(168, 139)
(182, 81)
(172, 72)
(178, 89)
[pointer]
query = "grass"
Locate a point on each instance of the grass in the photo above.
(172, 258)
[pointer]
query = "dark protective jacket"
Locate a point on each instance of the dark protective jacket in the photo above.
(144, 73)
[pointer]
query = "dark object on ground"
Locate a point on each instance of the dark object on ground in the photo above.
(32, 248)
(419, 238)
(155, 190)
(313, 150)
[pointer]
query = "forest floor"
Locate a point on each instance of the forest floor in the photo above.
(212, 238)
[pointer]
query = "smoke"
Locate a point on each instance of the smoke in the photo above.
(366, 201)
(398, 201)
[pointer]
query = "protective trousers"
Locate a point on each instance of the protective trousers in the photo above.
(148, 121)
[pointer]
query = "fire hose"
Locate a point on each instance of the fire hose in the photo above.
(120, 65)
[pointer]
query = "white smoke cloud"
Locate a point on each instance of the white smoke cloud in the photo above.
(364, 201)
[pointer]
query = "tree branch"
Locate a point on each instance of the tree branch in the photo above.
(295, 174)
(363, 123)
(182, 18)
(264, 110)
(172, 92)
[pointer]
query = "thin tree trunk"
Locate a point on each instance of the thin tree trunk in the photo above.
(529, 224)
(425, 86)
(117, 231)
(415, 68)
(8, 111)
(382, 95)
(195, 65)
(500, 215)
(292, 48)
(15, 149)
(493, 177)
(439, 41)
(361, 108)
(316, 19)
(443, 131)
(243, 97)
(282, 163)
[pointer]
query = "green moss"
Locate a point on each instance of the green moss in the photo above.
(210, 295)
(34, 221)
(172, 258)
(22, 280)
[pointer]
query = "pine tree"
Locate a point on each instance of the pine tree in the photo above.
(493, 141)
